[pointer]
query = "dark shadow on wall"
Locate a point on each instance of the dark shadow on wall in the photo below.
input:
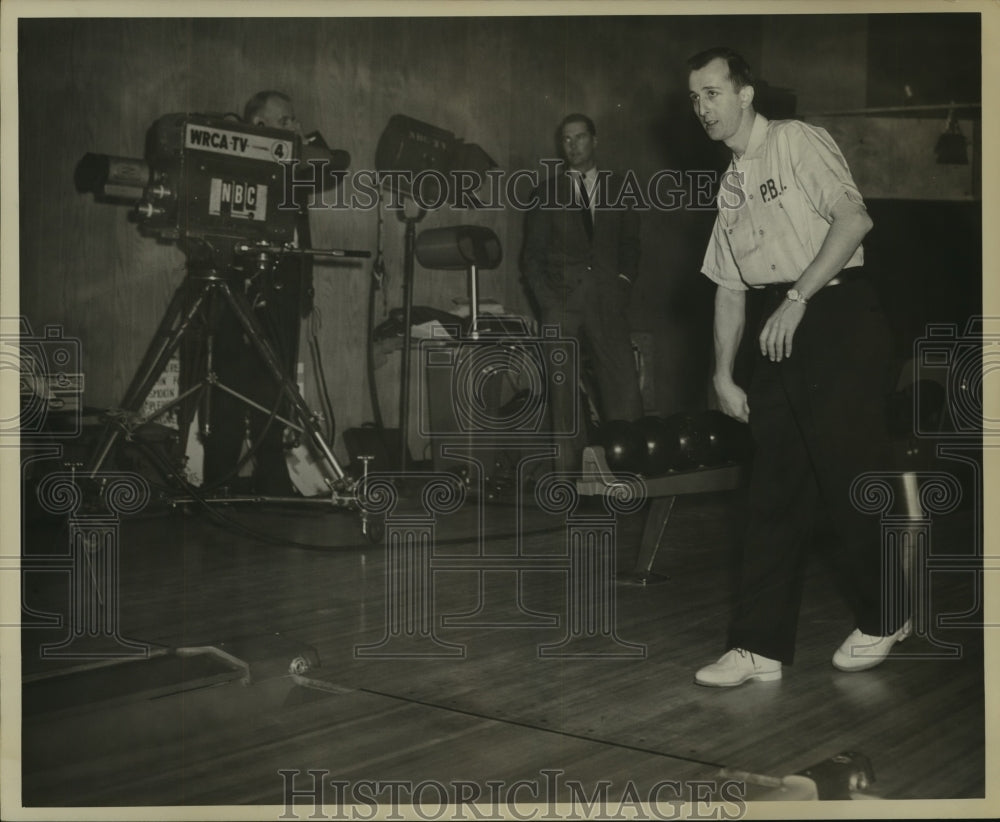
(928, 256)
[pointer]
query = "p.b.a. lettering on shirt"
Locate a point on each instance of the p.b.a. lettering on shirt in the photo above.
(769, 190)
(732, 195)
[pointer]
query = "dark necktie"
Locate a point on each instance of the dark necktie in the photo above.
(588, 218)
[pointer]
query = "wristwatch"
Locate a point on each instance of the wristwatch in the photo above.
(796, 296)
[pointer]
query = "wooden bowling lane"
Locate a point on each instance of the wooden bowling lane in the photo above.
(227, 745)
(502, 711)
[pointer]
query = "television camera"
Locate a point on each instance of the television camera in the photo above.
(218, 186)
(226, 192)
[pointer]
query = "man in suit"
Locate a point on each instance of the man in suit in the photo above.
(580, 259)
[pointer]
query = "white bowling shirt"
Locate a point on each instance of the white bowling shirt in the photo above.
(775, 204)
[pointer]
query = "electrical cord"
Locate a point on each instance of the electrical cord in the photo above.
(235, 526)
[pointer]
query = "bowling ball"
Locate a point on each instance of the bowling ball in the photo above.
(624, 446)
(662, 445)
(691, 441)
(709, 438)
(730, 440)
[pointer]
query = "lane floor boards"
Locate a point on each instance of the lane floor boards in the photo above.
(502, 711)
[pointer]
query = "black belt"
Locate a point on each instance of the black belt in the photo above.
(848, 275)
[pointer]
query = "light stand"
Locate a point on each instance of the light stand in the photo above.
(409, 248)
(411, 147)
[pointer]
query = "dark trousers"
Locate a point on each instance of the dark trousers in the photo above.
(818, 421)
(240, 367)
(593, 317)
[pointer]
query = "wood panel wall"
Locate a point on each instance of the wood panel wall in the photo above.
(98, 84)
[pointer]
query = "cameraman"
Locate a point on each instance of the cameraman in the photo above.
(280, 300)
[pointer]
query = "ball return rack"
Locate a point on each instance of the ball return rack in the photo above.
(662, 491)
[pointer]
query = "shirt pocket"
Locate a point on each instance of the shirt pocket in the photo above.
(799, 231)
(744, 241)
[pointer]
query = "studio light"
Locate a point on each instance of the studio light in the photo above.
(412, 147)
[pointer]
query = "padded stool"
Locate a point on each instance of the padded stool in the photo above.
(468, 248)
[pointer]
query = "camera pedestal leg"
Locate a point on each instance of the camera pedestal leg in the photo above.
(244, 314)
(169, 333)
(174, 325)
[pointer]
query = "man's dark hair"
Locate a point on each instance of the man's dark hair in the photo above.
(259, 101)
(739, 69)
(576, 117)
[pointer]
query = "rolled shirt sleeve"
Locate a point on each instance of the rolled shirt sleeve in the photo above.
(819, 166)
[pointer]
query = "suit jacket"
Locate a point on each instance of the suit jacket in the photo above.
(558, 257)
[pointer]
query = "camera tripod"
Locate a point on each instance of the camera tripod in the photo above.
(206, 290)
